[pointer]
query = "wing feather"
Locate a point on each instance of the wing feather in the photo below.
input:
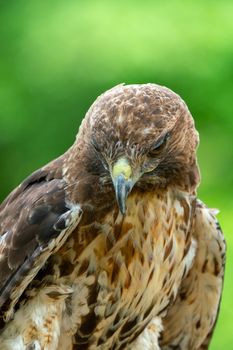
(190, 321)
(35, 220)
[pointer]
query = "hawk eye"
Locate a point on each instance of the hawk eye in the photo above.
(159, 145)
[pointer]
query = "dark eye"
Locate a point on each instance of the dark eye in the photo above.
(159, 145)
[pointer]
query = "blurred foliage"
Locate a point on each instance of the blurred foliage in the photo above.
(56, 57)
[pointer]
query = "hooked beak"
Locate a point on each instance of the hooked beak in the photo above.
(122, 181)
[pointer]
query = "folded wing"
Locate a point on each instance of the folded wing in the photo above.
(35, 220)
(191, 320)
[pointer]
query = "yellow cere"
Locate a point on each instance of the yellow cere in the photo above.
(122, 167)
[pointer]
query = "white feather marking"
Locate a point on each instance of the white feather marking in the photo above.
(2, 245)
(39, 318)
(189, 258)
(120, 119)
(214, 211)
(148, 339)
(179, 208)
(147, 131)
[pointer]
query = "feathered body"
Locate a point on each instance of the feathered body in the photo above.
(107, 247)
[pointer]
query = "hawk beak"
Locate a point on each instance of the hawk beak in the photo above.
(122, 181)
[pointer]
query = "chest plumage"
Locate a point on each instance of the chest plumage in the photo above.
(118, 275)
(137, 263)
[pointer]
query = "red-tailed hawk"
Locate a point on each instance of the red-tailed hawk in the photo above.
(107, 247)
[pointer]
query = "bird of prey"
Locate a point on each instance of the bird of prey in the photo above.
(108, 247)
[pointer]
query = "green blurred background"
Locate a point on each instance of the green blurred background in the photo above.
(56, 57)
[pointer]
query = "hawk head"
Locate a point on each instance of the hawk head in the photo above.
(140, 136)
